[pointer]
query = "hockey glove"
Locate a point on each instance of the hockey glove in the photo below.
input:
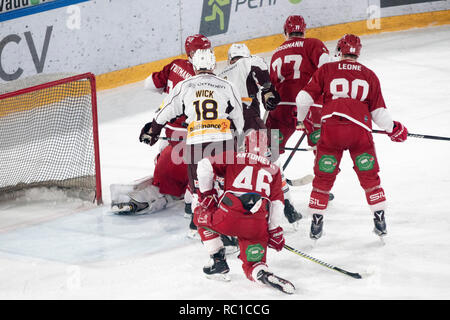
(276, 239)
(204, 211)
(270, 98)
(150, 133)
(399, 133)
(208, 199)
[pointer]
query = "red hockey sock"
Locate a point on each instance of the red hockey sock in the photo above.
(318, 201)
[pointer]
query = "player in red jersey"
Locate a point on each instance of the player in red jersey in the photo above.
(170, 178)
(291, 67)
(251, 209)
(352, 100)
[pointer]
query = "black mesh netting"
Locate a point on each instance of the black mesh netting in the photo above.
(46, 138)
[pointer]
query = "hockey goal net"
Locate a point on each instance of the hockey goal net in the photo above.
(49, 136)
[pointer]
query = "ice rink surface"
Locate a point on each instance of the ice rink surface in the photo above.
(55, 247)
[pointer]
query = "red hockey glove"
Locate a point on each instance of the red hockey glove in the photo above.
(276, 239)
(150, 133)
(399, 133)
(208, 199)
(204, 211)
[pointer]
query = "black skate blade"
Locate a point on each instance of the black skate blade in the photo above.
(231, 250)
(280, 284)
(380, 235)
(193, 235)
(225, 277)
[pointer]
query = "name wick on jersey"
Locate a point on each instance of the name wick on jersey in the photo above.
(204, 93)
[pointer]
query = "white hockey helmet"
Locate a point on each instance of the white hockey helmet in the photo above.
(204, 59)
(238, 50)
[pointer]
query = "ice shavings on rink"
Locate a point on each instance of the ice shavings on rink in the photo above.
(61, 248)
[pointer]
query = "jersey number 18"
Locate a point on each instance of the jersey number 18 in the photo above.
(207, 110)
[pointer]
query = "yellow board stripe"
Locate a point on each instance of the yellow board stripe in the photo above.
(265, 44)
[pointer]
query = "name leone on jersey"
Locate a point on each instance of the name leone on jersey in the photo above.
(345, 66)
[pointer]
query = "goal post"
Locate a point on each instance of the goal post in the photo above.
(49, 136)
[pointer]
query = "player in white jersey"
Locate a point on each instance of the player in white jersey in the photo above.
(213, 109)
(251, 76)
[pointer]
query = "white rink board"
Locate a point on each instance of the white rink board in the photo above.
(103, 36)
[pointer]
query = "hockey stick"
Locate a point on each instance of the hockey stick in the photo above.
(415, 135)
(300, 149)
(300, 181)
(266, 115)
(329, 266)
(293, 151)
(170, 139)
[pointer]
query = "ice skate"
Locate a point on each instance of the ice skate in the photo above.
(330, 197)
(380, 223)
(316, 226)
(129, 208)
(192, 233)
(290, 213)
(276, 282)
(218, 269)
(187, 210)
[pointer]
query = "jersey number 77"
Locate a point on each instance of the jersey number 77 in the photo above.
(278, 63)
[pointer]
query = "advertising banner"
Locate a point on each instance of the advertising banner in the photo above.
(102, 36)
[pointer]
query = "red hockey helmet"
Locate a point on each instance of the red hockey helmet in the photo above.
(195, 42)
(294, 23)
(256, 142)
(349, 44)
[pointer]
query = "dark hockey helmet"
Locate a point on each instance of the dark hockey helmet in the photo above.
(294, 23)
(195, 42)
(349, 44)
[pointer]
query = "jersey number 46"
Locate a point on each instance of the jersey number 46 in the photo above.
(245, 177)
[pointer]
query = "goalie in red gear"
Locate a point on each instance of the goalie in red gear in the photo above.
(251, 209)
(352, 100)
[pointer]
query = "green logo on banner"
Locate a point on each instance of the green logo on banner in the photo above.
(215, 17)
(365, 162)
(295, 1)
(327, 163)
(255, 252)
